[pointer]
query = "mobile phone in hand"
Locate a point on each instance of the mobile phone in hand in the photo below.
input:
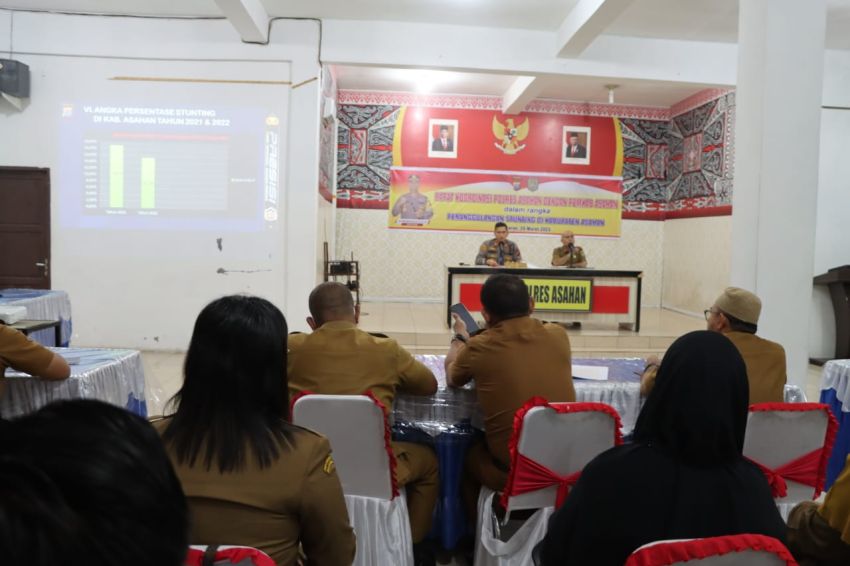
(463, 313)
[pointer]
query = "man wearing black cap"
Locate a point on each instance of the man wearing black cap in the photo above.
(413, 207)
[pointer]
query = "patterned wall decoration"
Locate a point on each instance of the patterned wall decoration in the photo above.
(700, 174)
(644, 168)
(365, 154)
(673, 167)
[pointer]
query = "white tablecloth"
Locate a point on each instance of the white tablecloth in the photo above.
(114, 376)
(42, 305)
(449, 406)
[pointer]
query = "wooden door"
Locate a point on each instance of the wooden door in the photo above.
(24, 227)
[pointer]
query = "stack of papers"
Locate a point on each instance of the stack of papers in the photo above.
(10, 314)
(596, 373)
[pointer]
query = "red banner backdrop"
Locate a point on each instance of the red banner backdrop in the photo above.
(489, 140)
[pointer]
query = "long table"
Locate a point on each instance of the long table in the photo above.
(114, 376)
(45, 305)
(450, 419)
(611, 297)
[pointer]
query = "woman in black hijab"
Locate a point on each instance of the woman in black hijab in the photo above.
(684, 476)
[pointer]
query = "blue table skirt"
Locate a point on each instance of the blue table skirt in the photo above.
(841, 448)
(450, 521)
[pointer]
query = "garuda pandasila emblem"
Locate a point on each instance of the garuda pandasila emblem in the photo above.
(510, 135)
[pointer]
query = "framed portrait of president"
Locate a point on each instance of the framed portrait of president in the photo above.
(442, 138)
(575, 145)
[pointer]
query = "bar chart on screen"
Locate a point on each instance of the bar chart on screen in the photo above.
(148, 173)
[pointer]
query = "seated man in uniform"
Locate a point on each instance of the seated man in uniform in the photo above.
(337, 358)
(735, 314)
(515, 358)
(20, 353)
(568, 254)
(498, 250)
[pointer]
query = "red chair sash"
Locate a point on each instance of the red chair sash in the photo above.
(802, 470)
(195, 556)
(531, 476)
(531, 472)
(809, 469)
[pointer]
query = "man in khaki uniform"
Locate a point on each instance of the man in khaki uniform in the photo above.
(517, 357)
(569, 254)
(337, 358)
(735, 314)
(20, 353)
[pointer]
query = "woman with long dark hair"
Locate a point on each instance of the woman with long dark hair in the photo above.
(251, 477)
(683, 477)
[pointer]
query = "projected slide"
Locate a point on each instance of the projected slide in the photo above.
(171, 167)
(153, 173)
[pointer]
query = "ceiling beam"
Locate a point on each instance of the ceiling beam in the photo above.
(585, 22)
(249, 17)
(523, 90)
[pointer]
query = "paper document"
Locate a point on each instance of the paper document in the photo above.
(596, 373)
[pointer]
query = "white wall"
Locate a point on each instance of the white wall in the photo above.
(406, 264)
(696, 262)
(832, 238)
(148, 298)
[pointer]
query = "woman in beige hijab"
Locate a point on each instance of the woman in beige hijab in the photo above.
(819, 535)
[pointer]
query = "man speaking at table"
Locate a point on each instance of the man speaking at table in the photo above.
(517, 357)
(569, 254)
(498, 250)
(338, 358)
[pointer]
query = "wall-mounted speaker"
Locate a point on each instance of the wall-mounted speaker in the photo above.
(14, 78)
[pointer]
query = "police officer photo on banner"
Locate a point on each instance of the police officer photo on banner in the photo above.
(575, 145)
(442, 138)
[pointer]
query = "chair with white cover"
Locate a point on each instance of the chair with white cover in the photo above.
(358, 430)
(791, 444)
(201, 555)
(549, 446)
(732, 550)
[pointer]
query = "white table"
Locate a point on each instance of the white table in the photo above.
(440, 412)
(42, 304)
(114, 376)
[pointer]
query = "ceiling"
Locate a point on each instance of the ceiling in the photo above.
(715, 20)
(574, 88)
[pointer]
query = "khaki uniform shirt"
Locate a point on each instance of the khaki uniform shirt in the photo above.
(511, 362)
(341, 359)
(413, 207)
(501, 252)
(765, 362)
(20, 353)
(812, 540)
(562, 257)
(298, 499)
